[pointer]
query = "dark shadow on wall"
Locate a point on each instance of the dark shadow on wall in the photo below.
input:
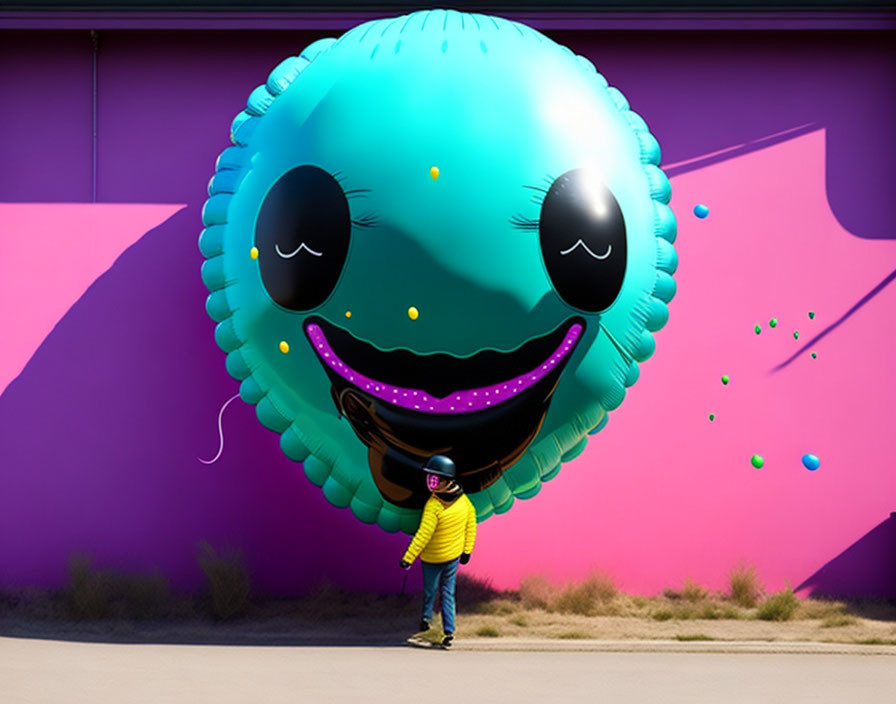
(738, 150)
(100, 435)
(708, 92)
(866, 569)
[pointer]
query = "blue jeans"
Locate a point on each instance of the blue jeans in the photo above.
(433, 573)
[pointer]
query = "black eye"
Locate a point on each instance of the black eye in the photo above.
(582, 236)
(302, 236)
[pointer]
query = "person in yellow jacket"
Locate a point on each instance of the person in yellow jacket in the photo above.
(445, 538)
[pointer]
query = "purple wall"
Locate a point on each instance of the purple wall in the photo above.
(100, 431)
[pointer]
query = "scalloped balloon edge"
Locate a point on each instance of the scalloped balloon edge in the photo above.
(651, 312)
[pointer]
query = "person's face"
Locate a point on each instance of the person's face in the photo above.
(436, 483)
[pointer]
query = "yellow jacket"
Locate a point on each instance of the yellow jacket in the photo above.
(445, 531)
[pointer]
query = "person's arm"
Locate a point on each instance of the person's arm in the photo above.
(428, 522)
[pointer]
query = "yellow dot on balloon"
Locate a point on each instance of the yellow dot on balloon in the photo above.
(434, 172)
(413, 313)
(348, 314)
(284, 346)
(253, 252)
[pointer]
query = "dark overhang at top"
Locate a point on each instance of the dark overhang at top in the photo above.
(343, 14)
(472, 5)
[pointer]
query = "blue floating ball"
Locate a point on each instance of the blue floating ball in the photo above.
(811, 462)
(701, 211)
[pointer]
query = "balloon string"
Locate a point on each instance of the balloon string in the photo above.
(220, 432)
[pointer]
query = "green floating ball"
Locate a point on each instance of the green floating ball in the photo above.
(811, 315)
(796, 334)
(757, 329)
(757, 461)
(815, 355)
(725, 379)
(773, 322)
(712, 416)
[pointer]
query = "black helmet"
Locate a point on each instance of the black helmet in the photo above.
(441, 465)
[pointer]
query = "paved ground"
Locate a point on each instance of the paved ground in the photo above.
(38, 671)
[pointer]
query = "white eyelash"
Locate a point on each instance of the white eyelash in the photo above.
(297, 250)
(596, 256)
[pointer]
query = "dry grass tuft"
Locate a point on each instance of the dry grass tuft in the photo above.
(744, 586)
(519, 620)
(87, 592)
(690, 591)
(780, 606)
(536, 592)
(97, 594)
(838, 621)
(693, 592)
(227, 580)
(820, 609)
(497, 607)
(587, 598)
(488, 631)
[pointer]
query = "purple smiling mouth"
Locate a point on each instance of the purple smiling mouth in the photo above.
(437, 398)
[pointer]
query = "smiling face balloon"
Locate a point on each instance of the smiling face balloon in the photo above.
(442, 234)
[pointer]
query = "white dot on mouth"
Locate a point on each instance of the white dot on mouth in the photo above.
(416, 406)
(470, 404)
(553, 360)
(394, 391)
(452, 408)
(475, 394)
(321, 346)
(488, 403)
(431, 408)
(533, 378)
(405, 395)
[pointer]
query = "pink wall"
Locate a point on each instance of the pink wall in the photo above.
(660, 495)
(663, 493)
(110, 380)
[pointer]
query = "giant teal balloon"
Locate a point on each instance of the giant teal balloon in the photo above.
(442, 233)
